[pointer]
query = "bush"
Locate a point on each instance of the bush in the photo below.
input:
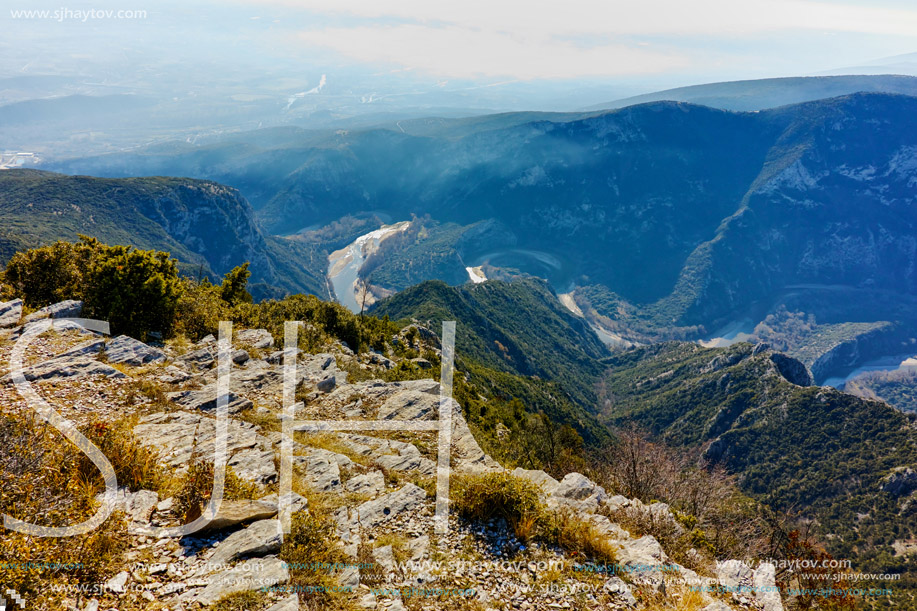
(518, 501)
(200, 309)
(233, 290)
(309, 545)
(481, 497)
(135, 465)
(136, 291)
(46, 275)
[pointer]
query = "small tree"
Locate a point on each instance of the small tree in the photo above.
(233, 290)
(136, 291)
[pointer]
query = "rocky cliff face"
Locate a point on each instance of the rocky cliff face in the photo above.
(205, 225)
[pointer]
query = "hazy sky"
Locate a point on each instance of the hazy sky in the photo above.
(363, 45)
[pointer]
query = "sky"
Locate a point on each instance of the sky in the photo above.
(383, 48)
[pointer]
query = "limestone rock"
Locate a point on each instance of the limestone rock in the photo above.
(176, 435)
(261, 538)
(127, 350)
(322, 472)
(10, 313)
(542, 479)
(205, 400)
(375, 512)
(645, 550)
(63, 309)
(234, 513)
(766, 593)
(266, 572)
(734, 573)
(256, 338)
(369, 483)
(67, 367)
(290, 603)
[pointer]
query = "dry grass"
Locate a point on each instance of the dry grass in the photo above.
(42, 480)
(196, 486)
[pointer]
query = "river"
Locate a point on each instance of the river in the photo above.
(884, 363)
(344, 264)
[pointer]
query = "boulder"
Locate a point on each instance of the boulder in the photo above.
(202, 357)
(765, 584)
(547, 483)
(127, 350)
(326, 385)
(734, 574)
(239, 357)
(645, 550)
(577, 487)
(617, 586)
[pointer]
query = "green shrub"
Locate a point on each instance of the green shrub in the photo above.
(482, 497)
(49, 274)
(200, 309)
(136, 291)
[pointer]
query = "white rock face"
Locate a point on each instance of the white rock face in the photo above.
(127, 350)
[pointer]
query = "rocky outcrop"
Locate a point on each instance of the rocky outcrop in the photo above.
(64, 309)
(900, 482)
(129, 351)
(792, 370)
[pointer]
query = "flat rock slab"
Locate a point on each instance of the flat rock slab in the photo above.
(322, 473)
(87, 348)
(290, 603)
(175, 435)
(205, 400)
(10, 313)
(371, 483)
(127, 350)
(388, 506)
(259, 539)
(67, 367)
(234, 513)
(61, 309)
(252, 575)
